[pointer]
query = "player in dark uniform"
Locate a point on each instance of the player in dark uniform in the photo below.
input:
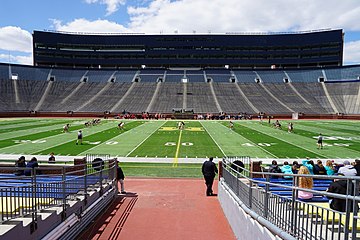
(79, 137)
(231, 125)
(320, 142)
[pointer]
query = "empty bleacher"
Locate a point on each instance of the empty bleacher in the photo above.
(170, 96)
(305, 75)
(74, 89)
(218, 75)
(125, 75)
(138, 99)
(230, 99)
(261, 99)
(245, 76)
(197, 95)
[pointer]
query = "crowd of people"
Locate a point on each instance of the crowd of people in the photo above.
(308, 167)
(330, 167)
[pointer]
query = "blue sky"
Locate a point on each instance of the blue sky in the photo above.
(19, 18)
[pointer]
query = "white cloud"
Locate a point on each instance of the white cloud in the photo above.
(352, 52)
(18, 43)
(15, 39)
(84, 25)
(20, 59)
(111, 5)
(250, 16)
(217, 16)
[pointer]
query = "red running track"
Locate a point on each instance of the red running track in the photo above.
(162, 209)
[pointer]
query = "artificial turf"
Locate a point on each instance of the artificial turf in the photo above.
(199, 139)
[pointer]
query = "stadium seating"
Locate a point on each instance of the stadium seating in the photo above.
(197, 95)
(319, 185)
(235, 91)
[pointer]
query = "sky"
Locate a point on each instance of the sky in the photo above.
(19, 18)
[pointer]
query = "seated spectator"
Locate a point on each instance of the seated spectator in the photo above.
(319, 168)
(98, 164)
(31, 165)
(286, 169)
(51, 158)
(295, 167)
(305, 182)
(329, 167)
(309, 164)
(357, 167)
(347, 169)
(20, 163)
(274, 168)
(339, 186)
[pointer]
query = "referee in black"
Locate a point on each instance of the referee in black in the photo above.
(209, 170)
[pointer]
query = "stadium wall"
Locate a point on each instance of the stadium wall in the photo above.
(247, 50)
(241, 222)
(165, 115)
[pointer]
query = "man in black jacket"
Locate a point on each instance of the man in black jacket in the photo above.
(209, 170)
(339, 186)
(120, 177)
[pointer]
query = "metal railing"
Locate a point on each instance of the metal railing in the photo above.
(22, 196)
(300, 219)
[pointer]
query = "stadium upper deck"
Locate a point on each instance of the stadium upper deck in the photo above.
(304, 49)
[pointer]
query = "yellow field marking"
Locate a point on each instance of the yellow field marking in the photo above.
(195, 129)
(168, 129)
(191, 129)
(175, 162)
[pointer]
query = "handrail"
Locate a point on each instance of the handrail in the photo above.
(283, 211)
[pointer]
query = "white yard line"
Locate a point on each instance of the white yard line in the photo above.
(289, 143)
(213, 139)
(253, 143)
(122, 134)
(145, 139)
(55, 145)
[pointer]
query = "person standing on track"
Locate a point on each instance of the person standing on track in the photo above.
(209, 170)
(120, 177)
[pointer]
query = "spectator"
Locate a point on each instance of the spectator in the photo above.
(31, 165)
(339, 186)
(309, 164)
(98, 164)
(51, 158)
(319, 168)
(329, 167)
(120, 177)
(274, 168)
(209, 170)
(20, 163)
(295, 167)
(305, 182)
(286, 169)
(357, 167)
(347, 169)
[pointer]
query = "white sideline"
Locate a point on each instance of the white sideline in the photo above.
(44, 158)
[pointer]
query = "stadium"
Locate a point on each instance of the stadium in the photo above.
(236, 94)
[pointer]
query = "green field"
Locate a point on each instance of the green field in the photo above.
(199, 139)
